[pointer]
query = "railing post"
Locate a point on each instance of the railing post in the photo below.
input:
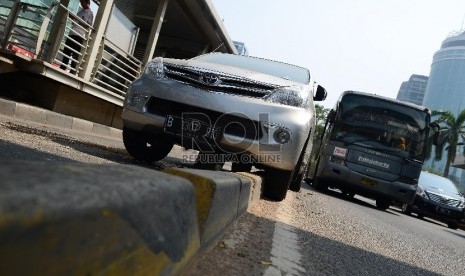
(57, 31)
(10, 23)
(155, 32)
(100, 25)
(43, 28)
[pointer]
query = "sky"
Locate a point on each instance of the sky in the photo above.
(363, 45)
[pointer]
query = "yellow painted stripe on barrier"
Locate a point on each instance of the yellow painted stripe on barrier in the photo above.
(85, 245)
(204, 193)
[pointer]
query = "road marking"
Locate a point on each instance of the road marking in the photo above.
(285, 252)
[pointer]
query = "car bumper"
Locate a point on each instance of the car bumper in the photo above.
(341, 177)
(436, 210)
(172, 98)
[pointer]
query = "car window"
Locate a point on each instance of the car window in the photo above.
(427, 179)
(274, 68)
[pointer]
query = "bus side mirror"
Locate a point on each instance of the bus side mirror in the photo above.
(320, 94)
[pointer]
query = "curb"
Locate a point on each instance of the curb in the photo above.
(112, 219)
(47, 117)
(221, 197)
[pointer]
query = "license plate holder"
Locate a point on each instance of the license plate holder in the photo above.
(190, 128)
(369, 182)
(443, 211)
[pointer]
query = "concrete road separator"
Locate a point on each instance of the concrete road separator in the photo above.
(76, 219)
(221, 198)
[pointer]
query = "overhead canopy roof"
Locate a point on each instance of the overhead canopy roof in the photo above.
(190, 27)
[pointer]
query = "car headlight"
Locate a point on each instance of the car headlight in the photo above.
(421, 192)
(155, 68)
(293, 96)
(461, 204)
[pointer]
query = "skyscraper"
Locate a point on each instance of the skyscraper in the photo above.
(413, 90)
(446, 84)
(446, 87)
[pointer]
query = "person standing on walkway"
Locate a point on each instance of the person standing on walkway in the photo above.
(76, 37)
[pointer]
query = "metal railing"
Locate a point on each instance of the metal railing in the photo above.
(70, 55)
(116, 69)
(20, 29)
(25, 29)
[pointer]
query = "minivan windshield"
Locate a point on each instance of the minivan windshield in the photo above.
(270, 67)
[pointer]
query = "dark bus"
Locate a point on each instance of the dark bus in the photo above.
(373, 146)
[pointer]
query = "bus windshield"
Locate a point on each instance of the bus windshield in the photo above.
(382, 125)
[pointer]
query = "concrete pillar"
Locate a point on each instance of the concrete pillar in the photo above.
(9, 24)
(155, 32)
(57, 31)
(100, 25)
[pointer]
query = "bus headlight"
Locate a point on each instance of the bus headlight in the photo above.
(293, 96)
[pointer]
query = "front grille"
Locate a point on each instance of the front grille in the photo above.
(443, 200)
(229, 123)
(227, 84)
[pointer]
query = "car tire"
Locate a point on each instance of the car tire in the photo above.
(406, 209)
(453, 225)
(207, 166)
(383, 204)
(145, 147)
(240, 167)
(300, 169)
(276, 184)
(420, 215)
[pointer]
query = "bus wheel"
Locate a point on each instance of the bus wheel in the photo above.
(319, 185)
(383, 204)
(144, 147)
(276, 184)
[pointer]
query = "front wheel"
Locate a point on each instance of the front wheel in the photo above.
(146, 147)
(319, 185)
(206, 161)
(406, 209)
(276, 184)
(300, 169)
(383, 204)
(453, 225)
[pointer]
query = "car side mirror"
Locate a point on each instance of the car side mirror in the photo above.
(320, 94)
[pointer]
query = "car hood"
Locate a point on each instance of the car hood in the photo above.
(437, 190)
(238, 72)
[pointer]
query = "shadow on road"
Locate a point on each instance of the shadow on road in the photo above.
(320, 255)
(355, 200)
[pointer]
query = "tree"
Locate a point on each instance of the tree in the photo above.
(321, 115)
(451, 129)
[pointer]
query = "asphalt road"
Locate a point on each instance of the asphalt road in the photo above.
(309, 233)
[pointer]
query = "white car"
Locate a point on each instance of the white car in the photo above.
(247, 110)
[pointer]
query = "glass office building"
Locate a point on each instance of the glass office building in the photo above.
(413, 90)
(446, 88)
(446, 84)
